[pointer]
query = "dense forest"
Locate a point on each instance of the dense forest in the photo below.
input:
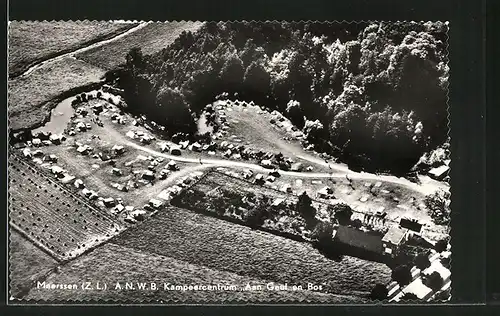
(373, 94)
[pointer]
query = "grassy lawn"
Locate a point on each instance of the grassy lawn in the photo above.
(27, 263)
(32, 42)
(113, 263)
(31, 98)
(224, 246)
(150, 39)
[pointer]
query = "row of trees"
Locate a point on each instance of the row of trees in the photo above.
(374, 92)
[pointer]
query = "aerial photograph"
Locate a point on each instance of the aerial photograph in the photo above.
(243, 162)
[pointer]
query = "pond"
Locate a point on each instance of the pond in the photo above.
(60, 116)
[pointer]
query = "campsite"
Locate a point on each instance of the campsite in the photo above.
(218, 187)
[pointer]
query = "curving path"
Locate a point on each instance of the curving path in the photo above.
(81, 50)
(428, 188)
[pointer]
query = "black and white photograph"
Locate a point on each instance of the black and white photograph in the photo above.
(230, 162)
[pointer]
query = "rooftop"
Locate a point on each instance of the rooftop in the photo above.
(359, 239)
(394, 235)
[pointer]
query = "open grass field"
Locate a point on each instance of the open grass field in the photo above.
(152, 38)
(27, 263)
(251, 126)
(53, 218)
(31, 98)
(27, 46)
(225, 246)
(112, 263)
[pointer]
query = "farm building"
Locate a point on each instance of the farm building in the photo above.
(439, 173)
(394, 237)
(325, 193)
(109, 202)
(175, 150)
(157, 204)
(117, 149)
(411, 224)
(148, 175)
(357, 243)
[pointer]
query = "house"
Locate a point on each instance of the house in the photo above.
(325, 193)
(117, 172)
(157, 204)
(79, 184)
(394, 237)
(172, 165)
(439, 173)
(117, 149)
(109, 202)
(175, 150)
(411, 224)
(357, 241)
(148, 175)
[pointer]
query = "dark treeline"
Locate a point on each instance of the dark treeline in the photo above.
(374, 94)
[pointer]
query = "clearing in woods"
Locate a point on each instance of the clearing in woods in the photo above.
(53, 218)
